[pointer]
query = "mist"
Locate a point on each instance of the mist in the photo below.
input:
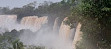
(42, 37)
(9, 22)
(45, 38)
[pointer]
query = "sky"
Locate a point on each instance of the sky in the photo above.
(20, 3)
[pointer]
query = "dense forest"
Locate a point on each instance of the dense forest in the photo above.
(94, 15)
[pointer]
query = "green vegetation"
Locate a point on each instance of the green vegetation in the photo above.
(10, 40)
(18, 45)
(95, 17)
(7, 38)
(52, 10)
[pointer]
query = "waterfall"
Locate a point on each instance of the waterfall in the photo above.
(46, 37)
(6, 22)
(43, 36)
(65, 30)
(29, 20)
(77, 36)
(56, 27)
(9, 22)
(7, 18)
(34, 21)
(67, 33)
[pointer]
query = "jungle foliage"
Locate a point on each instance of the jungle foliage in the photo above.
(10, 40)
(95, 17)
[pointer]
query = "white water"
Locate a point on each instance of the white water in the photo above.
(77, 36)
(34, 22)
(44, 37)
(47, 38)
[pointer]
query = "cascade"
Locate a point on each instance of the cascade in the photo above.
(9, 22)
(47, 38)
(34, 21)
(29, 20)
(56, 27)
(77, 36)
(6, 22)
(65, 30)
(67, 33)
(7, 18)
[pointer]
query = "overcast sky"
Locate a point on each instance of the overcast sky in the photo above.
(20, 3)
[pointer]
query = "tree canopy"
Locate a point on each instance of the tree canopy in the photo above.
(94, 15)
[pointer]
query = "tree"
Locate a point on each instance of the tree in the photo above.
(18, 45)
(94, 16)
